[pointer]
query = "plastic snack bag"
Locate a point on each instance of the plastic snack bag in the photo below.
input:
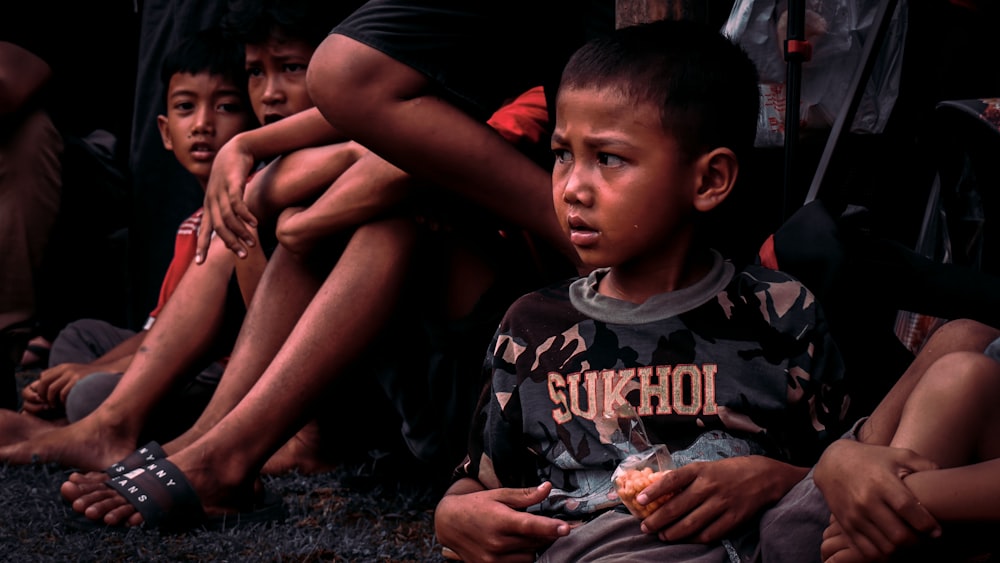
(637, 471)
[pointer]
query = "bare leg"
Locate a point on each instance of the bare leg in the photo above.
(338, 324)
(21, 426)
(955, 336)
(182, 334)
(287, 286)
(951, 415)
(303, 453)
(943, 410)
(429, 137)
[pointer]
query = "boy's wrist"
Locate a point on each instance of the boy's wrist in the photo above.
(783, 477)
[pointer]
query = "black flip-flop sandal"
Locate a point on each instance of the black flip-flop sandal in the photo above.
(141, 456)
(168, 502)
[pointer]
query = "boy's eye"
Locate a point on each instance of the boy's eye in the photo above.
(254, 71)
(184, 106)
(606, 159)
(562, 155)
(231, 107)
(294, 67)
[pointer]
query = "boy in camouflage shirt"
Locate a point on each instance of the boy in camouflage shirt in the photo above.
(729, 366)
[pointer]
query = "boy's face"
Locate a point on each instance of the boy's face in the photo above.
(621, 187)
(277, 78)
(203, 112)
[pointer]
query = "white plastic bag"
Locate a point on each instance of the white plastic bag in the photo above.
(836, 30)
(638, 470)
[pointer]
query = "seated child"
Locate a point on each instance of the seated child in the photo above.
(198, 121)
(732, 368)
(199, 327)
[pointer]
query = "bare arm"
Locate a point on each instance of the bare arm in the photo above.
(365, 190)
(225, 211)
(957, 494)
(299, 176)
(872, 507)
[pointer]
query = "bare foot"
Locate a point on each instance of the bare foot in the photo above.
(16, 427)
(301, 453)
(218, 496)
(81, 483)
(85, 444)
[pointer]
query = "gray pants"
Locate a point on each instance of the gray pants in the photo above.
(86, 340)
(789, 532)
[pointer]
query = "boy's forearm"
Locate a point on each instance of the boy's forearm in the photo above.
(299, 176)
(305, 129)
(785, 477)
(366, 190)
(970, 492)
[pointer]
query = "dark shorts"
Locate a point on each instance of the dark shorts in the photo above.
(478, 53)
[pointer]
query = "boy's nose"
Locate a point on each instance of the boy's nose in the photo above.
(576, 187)
(205, 122)
(273, 92)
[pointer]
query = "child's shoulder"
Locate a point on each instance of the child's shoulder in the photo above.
(777, 294)
(761, 278)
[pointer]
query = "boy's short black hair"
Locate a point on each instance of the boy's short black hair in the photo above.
(207, 51)
(705, 85)
(255, 21)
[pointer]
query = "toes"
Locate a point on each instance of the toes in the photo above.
(125, 513)
(72, 491)
(135, 519)
(92, 502)
(89, 478)
(107, 509)
(97, 501)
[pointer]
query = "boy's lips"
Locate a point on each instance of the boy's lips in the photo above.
(272, 117)
(202, 151)
(580, 232)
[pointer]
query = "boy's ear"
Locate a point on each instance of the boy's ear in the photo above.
(718, 169)
(161, 123)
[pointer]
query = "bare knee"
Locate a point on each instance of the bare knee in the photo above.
(970, 375)
(964, 334)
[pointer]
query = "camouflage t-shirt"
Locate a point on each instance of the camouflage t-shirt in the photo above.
(741, 362)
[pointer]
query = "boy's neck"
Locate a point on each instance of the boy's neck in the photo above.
(634, 286)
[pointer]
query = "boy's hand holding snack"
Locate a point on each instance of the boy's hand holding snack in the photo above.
(630, 482)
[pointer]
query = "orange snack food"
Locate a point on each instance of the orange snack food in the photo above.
(631, 482)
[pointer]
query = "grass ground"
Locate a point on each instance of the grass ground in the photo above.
(345, 515)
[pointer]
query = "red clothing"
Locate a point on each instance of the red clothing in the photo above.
(185, 245)
(525, 119)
